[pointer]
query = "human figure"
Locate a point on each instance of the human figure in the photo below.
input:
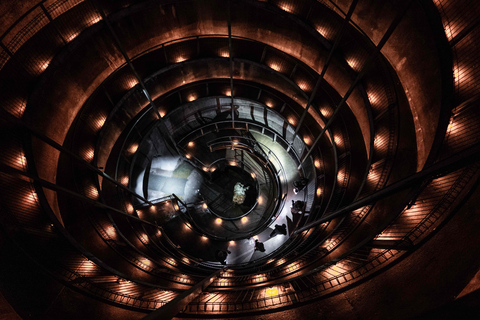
(279, 229)
(299, 185)
(297, 206)
(259, 246)
(221, 256)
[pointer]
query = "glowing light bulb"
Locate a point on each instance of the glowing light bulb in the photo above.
(271, 292)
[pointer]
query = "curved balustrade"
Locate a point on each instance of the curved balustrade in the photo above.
(142, 266)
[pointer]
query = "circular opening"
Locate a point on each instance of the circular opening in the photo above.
(231, 193)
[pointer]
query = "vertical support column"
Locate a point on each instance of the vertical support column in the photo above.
(163, 128)
(231, 60)
(325, 67)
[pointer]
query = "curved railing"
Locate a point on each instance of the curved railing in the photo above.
(379, 258)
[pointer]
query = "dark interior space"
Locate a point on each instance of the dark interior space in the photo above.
(239, 159)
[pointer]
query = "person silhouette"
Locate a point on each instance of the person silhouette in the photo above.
(297, 206)
(259, 246)
(221, 256)
(279, 229)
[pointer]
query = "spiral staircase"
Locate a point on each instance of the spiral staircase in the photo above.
(127, 124)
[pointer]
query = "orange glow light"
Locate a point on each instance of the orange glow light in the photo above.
(124, 181)
(180, 59)
(111, 231)
(43, 65)
(338, 140)
(100, 122)
(319, 192)
(373, 98)
(22, 161)
(354, 64)
(132, 83)
(450, 126)
(191, 144)
(271, 292)
(293, 266)
(292, 121)
(244, 219)
(218, 221)
(325, 111)
(380, 140)
(275, 66)
(323, 32)
(317, 163)
(93, 192)
(73, 36)
(302, 85)
(373, 176)
(224, 53)
(133, 148)
(95, 20)
(448, 32)
(192, 97)
(286, 6)
(87, 265)
(455, 74)
(129, 208)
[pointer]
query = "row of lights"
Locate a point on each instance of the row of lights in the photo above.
(43, 64)
(222, 52)
(193, 97)
(270, 291)
(218, 220)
